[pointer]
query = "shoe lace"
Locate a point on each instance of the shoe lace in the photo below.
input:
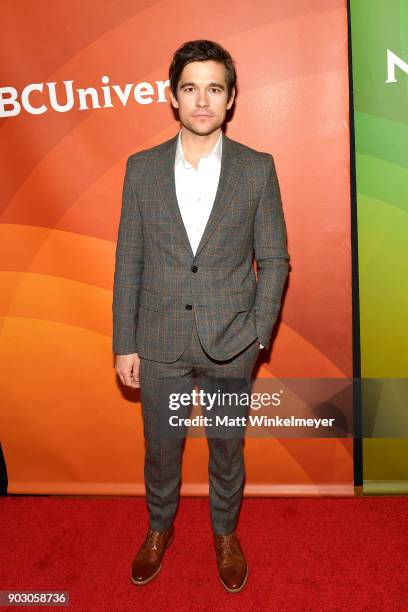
(152, 539)
(230, 543)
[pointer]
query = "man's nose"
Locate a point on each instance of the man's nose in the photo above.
(202, 99)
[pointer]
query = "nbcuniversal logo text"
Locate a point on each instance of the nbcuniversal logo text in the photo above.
(39, 98)
(394, 61)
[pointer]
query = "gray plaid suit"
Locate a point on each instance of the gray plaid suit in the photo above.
(173, 307)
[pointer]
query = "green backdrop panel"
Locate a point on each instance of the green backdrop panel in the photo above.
(378, 30)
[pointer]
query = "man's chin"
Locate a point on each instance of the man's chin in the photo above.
(204, 130)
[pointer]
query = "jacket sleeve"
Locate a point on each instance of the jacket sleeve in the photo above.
(271, 254)
(128, 270)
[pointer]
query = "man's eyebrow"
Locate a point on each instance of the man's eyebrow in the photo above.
(213, 84)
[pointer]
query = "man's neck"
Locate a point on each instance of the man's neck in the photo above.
(195, 146)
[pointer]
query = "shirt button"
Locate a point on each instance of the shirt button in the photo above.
(199, 198)
(194, 268)
(189, 307)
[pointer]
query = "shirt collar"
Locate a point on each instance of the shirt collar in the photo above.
(216, 150)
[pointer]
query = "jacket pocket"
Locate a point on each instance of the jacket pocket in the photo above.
(238, 301)
(161, 302)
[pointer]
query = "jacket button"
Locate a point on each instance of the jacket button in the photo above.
(189, 307)
(194, 268)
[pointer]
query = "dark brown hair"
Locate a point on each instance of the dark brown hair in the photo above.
(201, 51)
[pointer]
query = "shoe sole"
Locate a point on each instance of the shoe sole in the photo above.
(143, 582)
(234, 590)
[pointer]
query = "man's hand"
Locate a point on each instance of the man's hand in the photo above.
(127, 368)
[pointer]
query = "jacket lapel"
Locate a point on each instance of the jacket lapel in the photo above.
(230, 175)
(231, 167)
(167, 187)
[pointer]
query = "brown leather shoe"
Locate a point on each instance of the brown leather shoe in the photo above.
(232, 565)
(148, 561)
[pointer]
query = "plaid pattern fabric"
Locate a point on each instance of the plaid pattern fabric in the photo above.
(161, 287)
(162, 465)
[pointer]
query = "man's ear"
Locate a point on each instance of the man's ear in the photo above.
(174, 102)
(231, 100)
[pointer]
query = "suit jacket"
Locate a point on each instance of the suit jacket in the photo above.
(160, 286)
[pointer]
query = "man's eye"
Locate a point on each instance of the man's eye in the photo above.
(215, 89)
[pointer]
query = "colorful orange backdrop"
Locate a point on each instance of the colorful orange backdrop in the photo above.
(67, 426)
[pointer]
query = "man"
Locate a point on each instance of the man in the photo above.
(187, 302)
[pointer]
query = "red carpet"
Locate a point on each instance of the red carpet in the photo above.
(303, 554)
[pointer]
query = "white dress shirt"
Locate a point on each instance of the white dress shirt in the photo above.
(196, 189)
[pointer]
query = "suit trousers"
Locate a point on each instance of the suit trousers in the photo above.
(162, 466)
